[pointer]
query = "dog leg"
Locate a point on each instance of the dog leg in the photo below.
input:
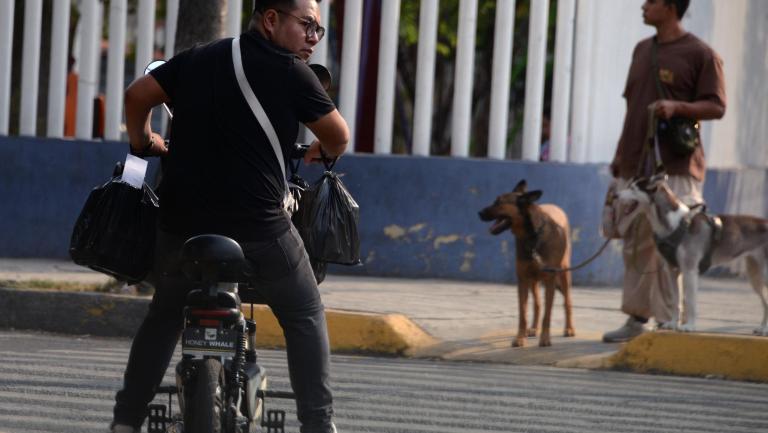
(533, 329)
(690, 289)
(549, 297)
(565, 289)
(677, 301)
(755, 269)
(522, 307)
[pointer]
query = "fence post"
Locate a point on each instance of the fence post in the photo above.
(465, 62)
(582, 66)
(145, 36)
(350, 65)
(534, 79)
(234, 17)
(561, 90)
(118, 12)
(502, 63)
(30, 67)
(385, 95)
(6, 49)
(425, 77)
(57, 79)
(87, 61)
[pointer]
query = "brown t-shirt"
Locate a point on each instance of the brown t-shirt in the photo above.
(690, 71)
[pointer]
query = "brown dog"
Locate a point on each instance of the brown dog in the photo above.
(542, 240)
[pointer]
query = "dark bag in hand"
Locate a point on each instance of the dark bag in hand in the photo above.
(328, 219)
(300, 192)
(679, 134)
(115, 232)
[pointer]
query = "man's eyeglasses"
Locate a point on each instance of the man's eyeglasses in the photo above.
(310, 25)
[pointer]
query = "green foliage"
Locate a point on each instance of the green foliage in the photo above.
(447, 38)
(447, 26)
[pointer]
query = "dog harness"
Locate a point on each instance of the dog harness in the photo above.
(667, 245)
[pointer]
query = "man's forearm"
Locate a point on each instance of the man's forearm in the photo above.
(138, 132)
(700, 110)
(140, 97)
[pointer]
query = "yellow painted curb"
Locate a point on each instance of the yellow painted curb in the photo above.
(730, 356)
(392, 334)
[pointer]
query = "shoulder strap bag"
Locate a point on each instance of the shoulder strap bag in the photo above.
(290, 204)
(680, 134)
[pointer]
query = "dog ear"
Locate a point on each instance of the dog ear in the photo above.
(521, 186)
(534, 195)
(529, 197)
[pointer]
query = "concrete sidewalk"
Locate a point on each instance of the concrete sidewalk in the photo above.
(473, 321)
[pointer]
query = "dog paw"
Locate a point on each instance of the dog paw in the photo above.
(518, 342)
(532, 332)
(761, 331)
(686, 328)
(569, 332)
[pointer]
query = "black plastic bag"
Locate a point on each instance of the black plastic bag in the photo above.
(115, 232)
(299, 190)
(328, 222)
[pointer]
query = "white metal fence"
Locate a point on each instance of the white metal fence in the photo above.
(88, 51)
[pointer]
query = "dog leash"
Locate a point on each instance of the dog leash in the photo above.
(649, 163)
(582, 264)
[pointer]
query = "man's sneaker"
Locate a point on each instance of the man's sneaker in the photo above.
(122, 428)
(630, 330)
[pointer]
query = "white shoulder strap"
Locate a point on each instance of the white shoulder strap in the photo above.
(256, 107)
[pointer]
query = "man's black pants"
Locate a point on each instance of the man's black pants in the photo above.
(282, 275)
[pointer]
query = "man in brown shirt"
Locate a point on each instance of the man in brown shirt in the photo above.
(692, 74)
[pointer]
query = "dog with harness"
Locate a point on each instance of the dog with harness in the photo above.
(692, 241)
(542, 243)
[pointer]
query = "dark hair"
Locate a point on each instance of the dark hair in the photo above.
(262, 5)
(680, 5)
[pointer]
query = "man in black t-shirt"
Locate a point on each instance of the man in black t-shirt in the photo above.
(221, 175)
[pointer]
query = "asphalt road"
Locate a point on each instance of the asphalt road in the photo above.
(55, 383)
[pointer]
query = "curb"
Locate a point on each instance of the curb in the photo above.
(111, 315)
(710, 355)
(391, 334)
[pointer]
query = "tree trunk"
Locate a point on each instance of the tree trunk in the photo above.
(200, 22)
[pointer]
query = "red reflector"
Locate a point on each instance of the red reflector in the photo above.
(210, 313)
(209, 322)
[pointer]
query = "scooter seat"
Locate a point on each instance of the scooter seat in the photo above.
(213, 259)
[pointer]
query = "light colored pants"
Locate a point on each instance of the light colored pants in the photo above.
(649, 282)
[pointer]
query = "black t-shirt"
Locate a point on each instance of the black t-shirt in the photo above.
(221, 175)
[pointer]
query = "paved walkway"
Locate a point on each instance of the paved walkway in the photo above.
(476, 321)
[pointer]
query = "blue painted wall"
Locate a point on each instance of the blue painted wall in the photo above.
(418, 215)
(43, 186)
